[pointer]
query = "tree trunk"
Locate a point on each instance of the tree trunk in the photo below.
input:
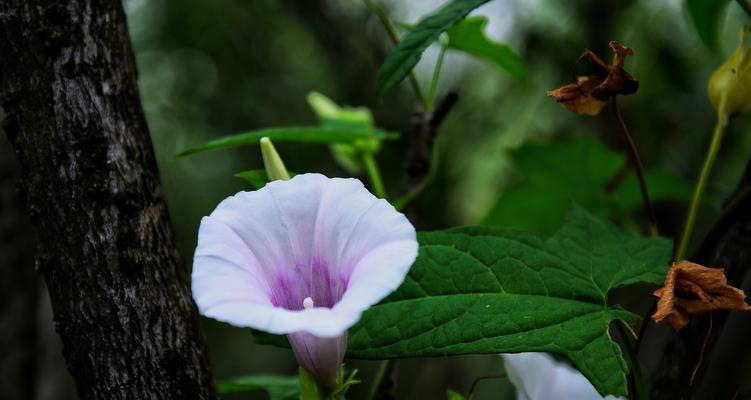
(120, 293)
(18, 288)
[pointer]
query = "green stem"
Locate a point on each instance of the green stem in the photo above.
(639, 389)
(436, 74)
(371, 167)
(383, 369)
(701, 185)
(383, 16)
(402, 202)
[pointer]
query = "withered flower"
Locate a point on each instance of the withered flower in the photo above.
(591, 93)
(695, 289)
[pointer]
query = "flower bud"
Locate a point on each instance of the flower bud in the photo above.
(729, 87)
(274, 165)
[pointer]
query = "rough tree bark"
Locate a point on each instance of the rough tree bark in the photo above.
(119, 291)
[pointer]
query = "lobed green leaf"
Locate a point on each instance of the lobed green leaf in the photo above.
(493, 290)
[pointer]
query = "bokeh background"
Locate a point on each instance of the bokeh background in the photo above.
(211, 68)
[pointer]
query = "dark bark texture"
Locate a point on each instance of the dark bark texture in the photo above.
(18, 287)
(710, 358)
(119, 290)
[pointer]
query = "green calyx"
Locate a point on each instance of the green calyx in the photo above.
(309, 390)
(729, 86)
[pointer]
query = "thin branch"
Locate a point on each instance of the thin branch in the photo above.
(637, 387)
(639, 168)
(383, 16)
(701, 354)
(436, 75)
(420, 153)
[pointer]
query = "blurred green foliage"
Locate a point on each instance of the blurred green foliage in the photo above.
(208, 69)
(582, 171)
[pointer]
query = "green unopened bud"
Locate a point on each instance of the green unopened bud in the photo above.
(274, 165)
(729, 86)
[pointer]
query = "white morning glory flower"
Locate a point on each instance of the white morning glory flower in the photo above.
(538, 376)
(303, 257)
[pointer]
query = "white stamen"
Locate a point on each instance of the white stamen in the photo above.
(307, 303)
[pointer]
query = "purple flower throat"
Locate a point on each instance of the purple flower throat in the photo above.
(292, 286)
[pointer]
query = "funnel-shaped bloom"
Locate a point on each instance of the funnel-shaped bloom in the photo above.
(538, 376)
(303, 257)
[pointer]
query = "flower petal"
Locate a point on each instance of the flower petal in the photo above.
(539, 376)
(258, 247)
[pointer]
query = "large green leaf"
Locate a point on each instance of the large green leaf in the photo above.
(707, 16)
(277, 387)
(308, 134)
(407, 53)
(582, 170)
(492, 290)
(468, 36)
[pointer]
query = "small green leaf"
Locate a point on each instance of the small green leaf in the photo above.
(331, 115)
(452, 395)
(408, 52)
(492, 290)
(468, 36)
(307, 134)
(256, 177)
(707, 16)
(278, 387)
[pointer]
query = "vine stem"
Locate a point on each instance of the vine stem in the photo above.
(701, 185)
(403, 201)
(637, 385)
(639, 167)
(383, 16)
(383, 370)
(436, 75)
(482, 378)
(371, 167)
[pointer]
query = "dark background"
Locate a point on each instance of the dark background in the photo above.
(208, 69)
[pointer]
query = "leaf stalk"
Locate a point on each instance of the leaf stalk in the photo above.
(701, 185)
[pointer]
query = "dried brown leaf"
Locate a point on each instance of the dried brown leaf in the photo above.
(695, 289)
(578, 98)
(590, 93)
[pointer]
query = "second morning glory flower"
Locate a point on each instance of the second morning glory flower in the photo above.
(303, 257)
(538, 376)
